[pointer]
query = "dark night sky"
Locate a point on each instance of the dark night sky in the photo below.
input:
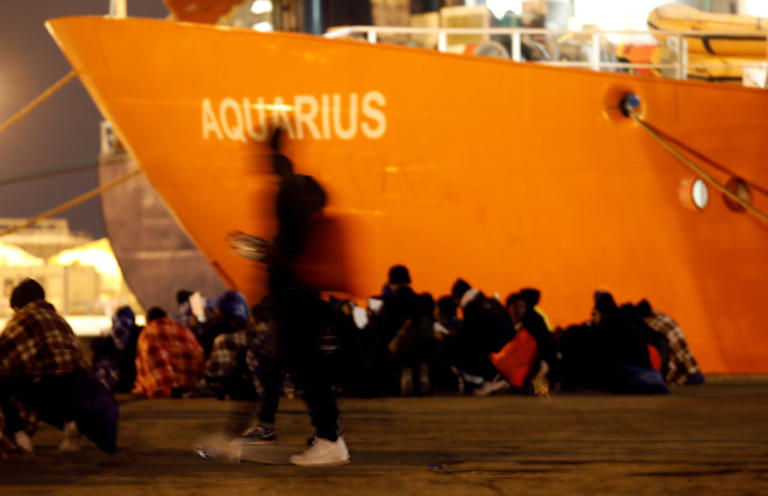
(63, 131)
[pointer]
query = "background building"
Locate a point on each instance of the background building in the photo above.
(80, 276)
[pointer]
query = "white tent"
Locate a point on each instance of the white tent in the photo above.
(11, 256)
(97, 254)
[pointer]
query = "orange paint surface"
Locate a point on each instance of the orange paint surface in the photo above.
(505, 174)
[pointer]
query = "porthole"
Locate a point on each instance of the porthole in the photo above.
(740, 188)
(700, 194)
(693, 194)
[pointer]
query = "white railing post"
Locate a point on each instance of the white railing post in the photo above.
(442, 41)
(673, 40)
(596, 51)
(684, 58)
(118, 9)
(517, 48)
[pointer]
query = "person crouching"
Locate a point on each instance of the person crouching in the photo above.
(42, 367)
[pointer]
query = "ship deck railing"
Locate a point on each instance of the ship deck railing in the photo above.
(676, 40)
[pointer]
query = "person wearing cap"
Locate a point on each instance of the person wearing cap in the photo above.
(399, 303)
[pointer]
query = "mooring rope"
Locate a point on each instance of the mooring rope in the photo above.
(71, 203)
(83, 165)
(37, 101)
(698, 170)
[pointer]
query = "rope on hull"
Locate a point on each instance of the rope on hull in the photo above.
(698, 170)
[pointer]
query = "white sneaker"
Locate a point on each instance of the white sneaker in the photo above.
(23, 441)
(220, 447)
(71, 438)
(323, 452)
(491, 387)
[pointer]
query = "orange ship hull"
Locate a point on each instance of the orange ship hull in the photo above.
(505, 174)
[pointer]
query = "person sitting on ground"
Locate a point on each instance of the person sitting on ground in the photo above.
(226, 372)
(522, 310)
(446, 329)
(622, 351)
(169, 359)
(681, 365)
(621, 342)
(399, 303)
(343, 346)
(486, 328)
(578, 354)
(186, 317)
(447, 321)
(184, 311)
(656, 343)
(42, 367)
(114, 355)
(413, 348)
(532, 296)
(219, 323)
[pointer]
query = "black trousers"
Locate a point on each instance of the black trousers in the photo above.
(52, 397)
(58, 399)
(297, 317)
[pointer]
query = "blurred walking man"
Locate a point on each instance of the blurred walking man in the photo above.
(300, 201)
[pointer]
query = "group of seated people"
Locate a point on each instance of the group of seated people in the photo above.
(221, 352)
(403, 343)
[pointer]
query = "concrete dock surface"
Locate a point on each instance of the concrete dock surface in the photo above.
(709, 439)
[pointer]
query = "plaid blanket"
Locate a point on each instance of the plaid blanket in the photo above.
(260, 356)
(107, 370)
(38, 341)
(682, 364)
(168, 358)
(228, 350)
(238, 354)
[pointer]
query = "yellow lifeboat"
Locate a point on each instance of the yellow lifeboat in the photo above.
(735, 35)
(727, 43)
